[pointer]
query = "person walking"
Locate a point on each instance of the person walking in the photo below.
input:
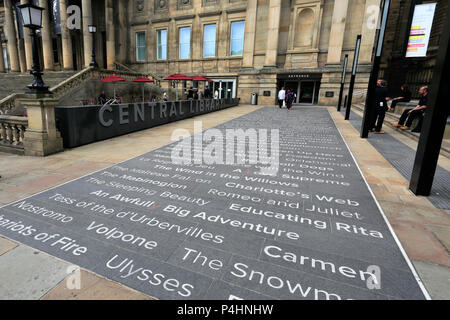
(410, 114)
(289, 99)
(207, 94)
(190, 94)
(404, 96)
(281, 97)
(380, 106)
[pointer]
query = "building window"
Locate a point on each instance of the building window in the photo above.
(237, 38)
(209, 40)
(185, 43)
(140, 46)
(162, 44)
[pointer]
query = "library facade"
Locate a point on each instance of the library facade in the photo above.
(244, 46)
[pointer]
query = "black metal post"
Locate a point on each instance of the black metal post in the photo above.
(341, 91)
(345, 101)
(38, 85)
(93, 62)
(367, 115)
(435, 119)
(352, 79)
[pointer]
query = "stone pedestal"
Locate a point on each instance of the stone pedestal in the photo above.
(41, 138)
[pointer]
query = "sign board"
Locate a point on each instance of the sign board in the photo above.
(420, 30)
(300, 76)
(329, 94)
(266, 93)
(83, 125)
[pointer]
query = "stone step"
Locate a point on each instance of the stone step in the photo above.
(17, 82)
(392, 118)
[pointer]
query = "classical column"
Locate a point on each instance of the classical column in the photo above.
(87, 37)
(110, 39)
(337, 31)
(10, 31)
(368, 31)
(2, 60)
(66, 40)
(272, 33)
(122, 31)
(28, 44)
(249, 37)
(46, 32)
(22, 58)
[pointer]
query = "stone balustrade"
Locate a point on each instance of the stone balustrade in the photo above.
(12, 131)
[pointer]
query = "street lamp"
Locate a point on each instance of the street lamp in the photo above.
(93, 30)
(32, 19)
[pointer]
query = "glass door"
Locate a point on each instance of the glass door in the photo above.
(306, 92)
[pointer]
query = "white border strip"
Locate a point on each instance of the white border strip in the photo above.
(405, 256)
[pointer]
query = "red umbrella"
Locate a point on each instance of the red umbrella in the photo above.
(201, 78)
(143, 81)
(113, 78)
(177, 77)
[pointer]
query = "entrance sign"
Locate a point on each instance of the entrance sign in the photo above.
(83, 125)
(420, 31)
(215, 231)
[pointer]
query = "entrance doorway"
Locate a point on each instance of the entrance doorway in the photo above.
(226, 88)
(305, 86)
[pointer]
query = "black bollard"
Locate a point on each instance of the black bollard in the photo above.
(341, 91)
(367, 114)
(352, 80)
(434, 121)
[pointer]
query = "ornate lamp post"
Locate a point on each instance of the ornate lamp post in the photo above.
(93, 30)
(32, 19)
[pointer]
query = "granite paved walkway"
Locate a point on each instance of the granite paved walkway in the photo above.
(421, 228)
(402, 158)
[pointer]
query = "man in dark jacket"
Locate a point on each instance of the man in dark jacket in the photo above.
(207, 94)
(410, 114)
(380, 107)
(404, 96)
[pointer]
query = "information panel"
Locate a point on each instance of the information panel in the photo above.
(311, 230)
(421, 25)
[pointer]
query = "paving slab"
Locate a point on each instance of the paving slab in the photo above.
(28, 274)
(117, 223)
(93, 287)
(6, 245)
(437, 279)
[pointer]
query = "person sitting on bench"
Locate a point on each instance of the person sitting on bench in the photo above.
(404, 96)
(410, 114)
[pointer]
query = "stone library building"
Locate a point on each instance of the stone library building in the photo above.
(244, 46)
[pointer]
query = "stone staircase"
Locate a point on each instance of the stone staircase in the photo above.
(17, 82)
(62, 84)
(393, 117)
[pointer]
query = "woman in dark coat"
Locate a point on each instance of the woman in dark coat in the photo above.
(289, 99)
